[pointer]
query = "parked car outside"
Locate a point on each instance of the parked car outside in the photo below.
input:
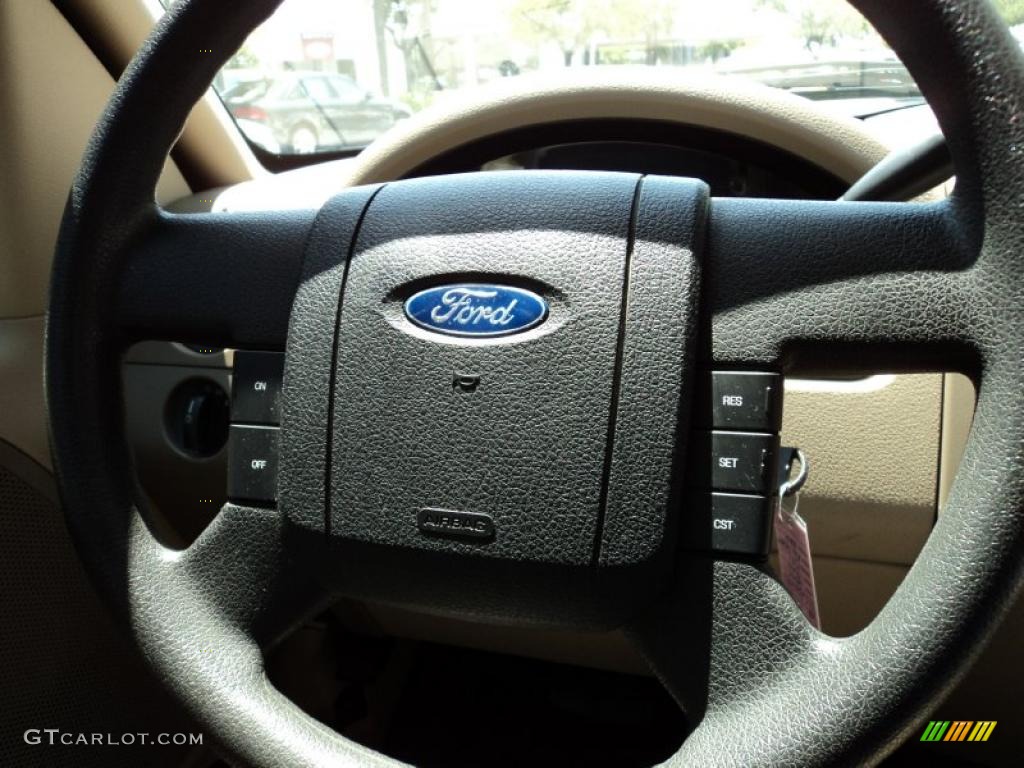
(308, 111)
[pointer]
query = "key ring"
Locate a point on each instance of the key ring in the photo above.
(790, 487)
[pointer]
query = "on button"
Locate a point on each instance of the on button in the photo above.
(256, 387)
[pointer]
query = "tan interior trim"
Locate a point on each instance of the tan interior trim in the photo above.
(22, 405)
(958, 399)
(53, 90)
(210, 138)
(789, 122)
(873, 447)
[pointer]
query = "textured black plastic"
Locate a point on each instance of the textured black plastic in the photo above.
(659, 331)
(528, 445)
(835, 287)
(176, 268)
(569, 443)
(309, 361)
(790, 286)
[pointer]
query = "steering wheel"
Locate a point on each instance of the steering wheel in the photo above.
(557, 475)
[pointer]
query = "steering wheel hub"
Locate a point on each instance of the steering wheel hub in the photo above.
(461, 467)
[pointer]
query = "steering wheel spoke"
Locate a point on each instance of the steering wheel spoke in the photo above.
(836, 287)
(725, 630)
(240, 587)
(225, 279)
(729, 643)
(257, 572)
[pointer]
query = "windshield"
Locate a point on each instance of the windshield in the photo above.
(328, 75)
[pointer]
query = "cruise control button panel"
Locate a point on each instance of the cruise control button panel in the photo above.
(252, 463)
(256, 387)
(741, 400)
(735, 461)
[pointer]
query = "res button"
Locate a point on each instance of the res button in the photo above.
(741, 400)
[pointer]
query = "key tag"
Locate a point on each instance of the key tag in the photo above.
(793, 541)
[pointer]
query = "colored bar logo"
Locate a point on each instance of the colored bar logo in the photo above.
(958, 730)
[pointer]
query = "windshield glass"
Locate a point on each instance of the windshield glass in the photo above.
(327, 75)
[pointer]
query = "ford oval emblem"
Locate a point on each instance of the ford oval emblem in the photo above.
(476, 309)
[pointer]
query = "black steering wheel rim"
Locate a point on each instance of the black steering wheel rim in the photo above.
(953, 300)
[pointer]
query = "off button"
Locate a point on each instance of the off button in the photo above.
(252, 464)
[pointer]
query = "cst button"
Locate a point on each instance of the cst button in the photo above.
(256, 387)
(729, 522)
(252, 464)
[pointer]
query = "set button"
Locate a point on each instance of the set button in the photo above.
(734, 461)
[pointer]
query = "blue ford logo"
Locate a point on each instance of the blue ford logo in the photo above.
(476, 309)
